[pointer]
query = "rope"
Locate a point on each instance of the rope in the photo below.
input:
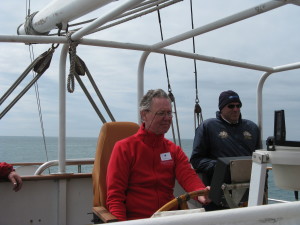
(134, 16)
(81, 69)
(29, 28)
(99, 95)
(195, 64)
(197, 115)
(165, 58)
(28, 9)
(89, 97)
(197, 110)
(77, 68)
(72, 52)
(39, 65)
(171, 96)
(38, 102)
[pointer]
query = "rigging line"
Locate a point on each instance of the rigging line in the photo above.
(130, 17)
(28, 8)
(138, 8)
(85, 90)
(72, 52)
(195, 66)
(177, 125)
(31, 53)
(90, 77)
(169, 87)
(194, 50)
(77, 69)
(197, 110)
(20, 79)
(80, 70)
(165, 58)
(36, 87)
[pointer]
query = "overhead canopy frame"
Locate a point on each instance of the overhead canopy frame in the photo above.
(157, 48)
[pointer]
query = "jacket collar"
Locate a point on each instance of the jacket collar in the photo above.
(218, 115)
(149, 138)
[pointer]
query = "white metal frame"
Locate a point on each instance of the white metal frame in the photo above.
(291, 210)
(158, 48)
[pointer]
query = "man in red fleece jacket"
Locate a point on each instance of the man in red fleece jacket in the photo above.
(142, 169)
(7, 171)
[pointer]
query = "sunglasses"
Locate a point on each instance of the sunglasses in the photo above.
(231, 106)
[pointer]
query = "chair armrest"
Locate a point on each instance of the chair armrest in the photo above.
(104, 214)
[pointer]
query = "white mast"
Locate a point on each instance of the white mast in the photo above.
(58, 12)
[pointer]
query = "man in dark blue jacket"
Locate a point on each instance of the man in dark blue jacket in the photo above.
(227, 135)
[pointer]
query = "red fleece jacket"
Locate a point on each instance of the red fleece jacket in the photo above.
(5, 169)
(141, 175)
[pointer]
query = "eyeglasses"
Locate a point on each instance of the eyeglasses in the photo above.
(231, 106)
(163, 114)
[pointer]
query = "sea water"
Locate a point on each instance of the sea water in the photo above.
(16, 149)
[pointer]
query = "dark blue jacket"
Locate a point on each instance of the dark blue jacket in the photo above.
(217, 138)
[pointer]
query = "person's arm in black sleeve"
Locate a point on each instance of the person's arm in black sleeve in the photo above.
(200, 158)
(259, 141)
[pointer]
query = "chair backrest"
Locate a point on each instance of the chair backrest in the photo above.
(110, 133)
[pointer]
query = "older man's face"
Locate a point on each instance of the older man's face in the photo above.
(231, 112)
(158, 120)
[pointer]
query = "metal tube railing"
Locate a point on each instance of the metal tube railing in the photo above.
(51, 163)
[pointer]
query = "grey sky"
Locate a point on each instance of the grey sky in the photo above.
(270, 39)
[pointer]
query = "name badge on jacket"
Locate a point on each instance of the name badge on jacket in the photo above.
(165, 156)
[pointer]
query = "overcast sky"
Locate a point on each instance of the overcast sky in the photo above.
(270, 39)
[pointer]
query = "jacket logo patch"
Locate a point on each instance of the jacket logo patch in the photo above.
(223, 134)
(247, 135)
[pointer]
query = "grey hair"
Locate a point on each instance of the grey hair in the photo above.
(145, 103)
